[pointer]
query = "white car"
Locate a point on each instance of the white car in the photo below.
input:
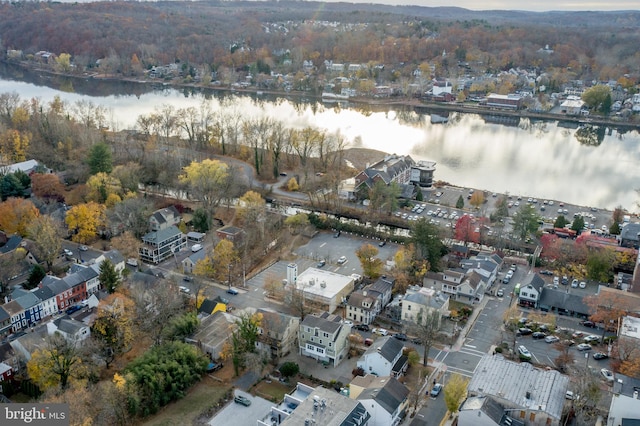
(552, 339)
(607, 374)
(380, 331)
(524, 352)
(68, 252)
(342, 260)
(196, 247)
(348, 322)
(582, 284)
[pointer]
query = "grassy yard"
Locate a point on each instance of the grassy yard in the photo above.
(273, 391)
(183, 412)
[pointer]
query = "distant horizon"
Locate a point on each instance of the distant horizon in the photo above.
(513, 5)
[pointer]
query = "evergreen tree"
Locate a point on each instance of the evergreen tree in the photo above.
(460, 202)
(109, 277)
(10, 186)
(36, 275)
(100, 159)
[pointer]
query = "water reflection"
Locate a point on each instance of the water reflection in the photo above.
(546, 160)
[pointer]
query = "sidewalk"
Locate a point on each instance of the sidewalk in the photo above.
(472, 320)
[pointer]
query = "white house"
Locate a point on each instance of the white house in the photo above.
(465, 288)
(72, 330)
(529, 294)
(385, 398)
(115, 257)
(363, 307)
(419, 301)
(47, 300)
(625, 402)
(384, 358)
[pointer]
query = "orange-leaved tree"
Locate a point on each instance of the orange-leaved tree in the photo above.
(608, 306)
(16, 214)
(84, 220)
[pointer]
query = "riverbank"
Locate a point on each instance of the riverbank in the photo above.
(417, 104)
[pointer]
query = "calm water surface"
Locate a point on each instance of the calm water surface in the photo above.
(542, 160)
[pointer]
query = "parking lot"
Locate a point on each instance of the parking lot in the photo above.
(238, 415)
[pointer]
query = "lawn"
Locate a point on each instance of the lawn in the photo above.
(273, 391)
(183, 412)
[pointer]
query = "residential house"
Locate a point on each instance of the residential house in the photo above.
(17, 315)
(486, 411)
(5, 322)
(190, 262)
(384, 358)
(625, 402)
(214, 331)
(466, 288)
(419, 301)
(28, 167)
(522, 392)
(362, 307)
(487, 265)
(164, 219)
(393, 168)
(385, 400)
(209, 307)
(162, 244)
(32, 308)
(382, 289)
(195, 237)
(6, 373)
(325, 407)
(231, 233)
(61, 289)
(114, 257)
(9, 356)
(324, 337)
(72, 330)
(529, 294)
(12, 243)
(629, 235)
(27, 343)
(277, 333)
(79, 278)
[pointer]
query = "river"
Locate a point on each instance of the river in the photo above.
(545, 160)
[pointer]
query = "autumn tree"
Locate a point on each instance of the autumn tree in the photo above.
(56, 364)
(14, 145)
(131, 215)
(427, 328)
(477, 199)
(207, 181)
(371, 265)
(102, 186)
(113, 328)
(16, 214)
(84, 220)
(127, 244)
(608, 307)
(454, 392)
(100, 159)
(465, 230)
(47, 186)
(598, 98)
(251, 208)
(292, 185)
(243, 340)
(297, 222)
(218, 265)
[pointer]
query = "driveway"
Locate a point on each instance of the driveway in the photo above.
(239, 415)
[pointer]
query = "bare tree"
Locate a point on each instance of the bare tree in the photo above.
(427, 328)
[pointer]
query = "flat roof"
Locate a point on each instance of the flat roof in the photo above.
(630, 327)
(322, 283)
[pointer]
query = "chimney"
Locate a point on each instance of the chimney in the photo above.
(364, 292)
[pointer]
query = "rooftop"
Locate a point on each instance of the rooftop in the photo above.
(325, 322)
(630, 327)
(521, 384)
(328, 408)
(388, 347)
(322, 283)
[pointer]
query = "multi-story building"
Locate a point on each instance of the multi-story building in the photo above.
(324, 337)
(162, 244)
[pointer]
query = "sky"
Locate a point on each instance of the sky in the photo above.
(535, 5)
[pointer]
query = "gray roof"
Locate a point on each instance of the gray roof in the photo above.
(161, 215)
(56, 285)
(199, 255)
(482, 264)
(382, 285)
(338, 410)
(389, 396)
(564, 299)
(12, 244)
(629, 231)
(492, 408)
(388, 347)
(536, 281)
(81, 276)
(4, 315)
(275, 321)
(28, 300)
(435, 302)
(474, 279)
(231, 230)
(625, 385)
(512, 381)
(324, 322)
(162, 235)
(13, 308)
(388, 168)
(68, 325)
(43, 293)
(357, 299)
(114, 256)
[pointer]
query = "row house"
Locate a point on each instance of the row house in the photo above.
(5, 322)
(363, 307)
(24, 310)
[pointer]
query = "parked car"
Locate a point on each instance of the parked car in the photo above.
(524, 353)
(591, 338)
(184, 290)
(348, 322)
(437, 388)
(538, 335)
(416, 341)
(400, 336)
(380, 331)
(132, 262)
(552, 339)
(242, 400)
(342, 260)
(382, 243)
(506, 280)
(72, 309)
(368, 342)
(362, 327)
(546, 272)
(582, 284)
(577, 334)
(214, 366)
(232, 291)
(589, 324)
(196, 247)
(321, 263)
(83, 248)
(187, 278)
(584, 347)
(500, 293)
(524, 331)
(607, 374)
(574, 283)
(556, 280)
(600, 355)
(68, 252)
